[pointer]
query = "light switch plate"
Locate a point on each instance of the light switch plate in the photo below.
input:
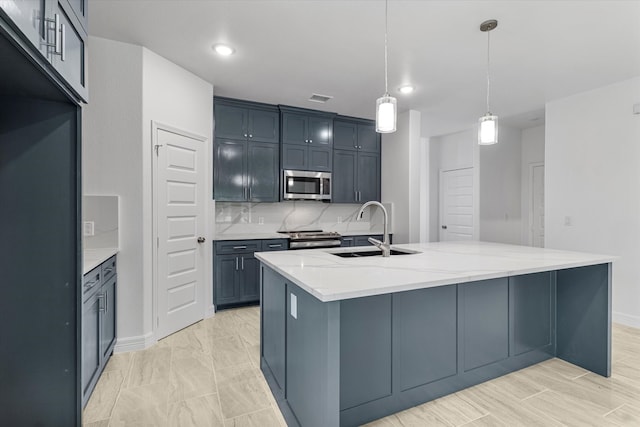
(88, 228)
(294, 306)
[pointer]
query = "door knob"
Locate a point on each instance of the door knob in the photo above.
(444, 227)
(201, 239)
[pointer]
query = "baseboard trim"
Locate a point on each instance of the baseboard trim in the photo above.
(210, 311)
(626, 319)
(140, 342)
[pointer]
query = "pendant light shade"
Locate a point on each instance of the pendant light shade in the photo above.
(386, 114)
(488, 129)
(488, 124)
(386, 105)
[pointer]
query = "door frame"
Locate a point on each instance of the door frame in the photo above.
(532, 166)
(476, 219)
(208, 309)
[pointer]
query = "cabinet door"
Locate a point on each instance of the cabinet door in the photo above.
(108, 324)
(320, 131)
(80, 9)
(229, 181)
(90, 342)
(71, 62)
(250, 278)
(263, 172)
(230, 122)
(319, 158)
(344, 176)
(368, 177)
(264, 126)
(344, 135)
(294, 129)
(227, 288)
(364, 240)
(294, 156)
(347, 241)
(28, 17)
(368, 139)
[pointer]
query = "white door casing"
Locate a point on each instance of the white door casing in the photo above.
(536, 204)
(456, 205)
(179, 216)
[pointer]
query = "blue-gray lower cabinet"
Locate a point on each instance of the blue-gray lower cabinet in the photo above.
(361, 240)
(98, 323)
(349, 362)
(236, 270)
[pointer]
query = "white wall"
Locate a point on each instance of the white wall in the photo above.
(532, 152)
(175, 97)
(449, 152)
(500, 195)
(592, 162)
(112, 159)
(401, 176)
(130, 87)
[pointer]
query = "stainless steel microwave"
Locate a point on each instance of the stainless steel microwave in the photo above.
(305, 185)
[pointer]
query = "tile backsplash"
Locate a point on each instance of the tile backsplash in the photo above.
(102, 212)
(239, 218)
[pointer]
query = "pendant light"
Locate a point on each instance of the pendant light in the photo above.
(386, 106)
(488, 124)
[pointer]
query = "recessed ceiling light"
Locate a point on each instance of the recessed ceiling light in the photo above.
(406, 89)
(223, 49)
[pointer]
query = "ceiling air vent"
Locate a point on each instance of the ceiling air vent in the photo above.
(319, 98)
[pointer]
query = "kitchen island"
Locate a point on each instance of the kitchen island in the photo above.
(348, 340)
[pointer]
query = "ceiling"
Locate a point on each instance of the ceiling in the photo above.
(287, 50)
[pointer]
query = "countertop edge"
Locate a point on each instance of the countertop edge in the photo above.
(91, 258)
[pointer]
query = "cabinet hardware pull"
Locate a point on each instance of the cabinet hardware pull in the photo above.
(242, 263)
(106, 302)
(236, 263)
(250, 136)
(63, 50)
(239, 247)
(276, 246)
(347, 239)
(245, 135)
(58, 48)
(101, 302)
(311, 141)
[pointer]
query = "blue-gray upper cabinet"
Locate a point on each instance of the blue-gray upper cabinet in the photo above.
(356, 161)
(242, 120)
(307, 139)
(246, 171)
(355, 134)
(57, 32)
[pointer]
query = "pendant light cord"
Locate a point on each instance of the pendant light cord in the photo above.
(488, 65)
(386, 87)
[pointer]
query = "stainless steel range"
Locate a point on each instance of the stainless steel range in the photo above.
(310, 239)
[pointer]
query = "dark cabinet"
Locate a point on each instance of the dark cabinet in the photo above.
(246, 171)
(356, 162)
(98, 323)
(246, 121)
(246, 152)
(307, 140)
(54, 30)
(237, 271)
(360, 240)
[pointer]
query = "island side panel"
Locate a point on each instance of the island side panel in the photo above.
(584, 317)
(312, 359)
(273, 329)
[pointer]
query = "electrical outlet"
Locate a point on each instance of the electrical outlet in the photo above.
(89, 228)
(568, 221)
(339, 220)
(261, 220)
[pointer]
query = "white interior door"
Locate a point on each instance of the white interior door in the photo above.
(536, 212)
(180, 218)
(456, 205)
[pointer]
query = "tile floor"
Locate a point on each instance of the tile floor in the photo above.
(208, 375)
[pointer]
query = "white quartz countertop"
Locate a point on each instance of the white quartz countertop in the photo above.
(331, 278)
(94, 257)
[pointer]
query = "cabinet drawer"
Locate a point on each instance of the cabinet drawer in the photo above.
(91, 281)
(275, 245)
(238, 246)
(108, 268)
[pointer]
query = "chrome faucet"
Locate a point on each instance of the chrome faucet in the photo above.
(384, 245)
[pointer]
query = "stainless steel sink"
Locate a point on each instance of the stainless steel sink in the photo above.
(360, 254)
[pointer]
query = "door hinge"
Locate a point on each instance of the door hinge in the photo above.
(157, 146)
